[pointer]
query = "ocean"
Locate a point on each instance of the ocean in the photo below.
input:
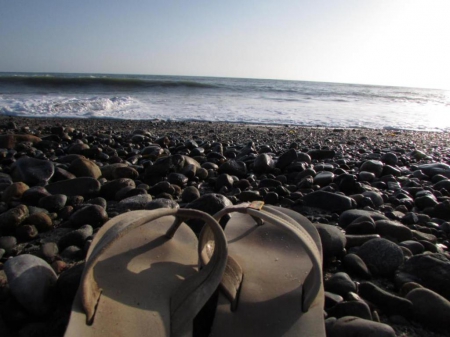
(180, 98)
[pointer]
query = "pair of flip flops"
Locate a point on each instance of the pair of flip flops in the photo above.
(147, 273)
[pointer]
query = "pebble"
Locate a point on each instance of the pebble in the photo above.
(82, 167)
(34, 171)
(394, 231)
(333, 240)
(349, 326)
(32, 282)
(430, 309)
(381, 256)
(429, 270)
(328, 201)
(356, 266)
(135, 202)
(93, 215)
(75, 238)
(340, 283)
(388, 303)
(14, 192)
(12, 218)
(79, 186)
(350, 308)
(183, 165)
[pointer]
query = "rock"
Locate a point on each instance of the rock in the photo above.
(234, 168)
(32, 282)
(8, 244)
(328, 201)
(53, 203)
(340, 283)
(350, 308)
(433, 168)
(112, 187)
(430, 309)
(10, 141)
(321, 154)
(375, 197)
(389, 158)
(209, 203)
(135, 202)
(26, 232)
(441, 210)
(99, 201)
(333, 240)
(68, 283)
(374, 166)
(32, 195)
(34, 171)
(361, 225)
(358, 240)
(286, 159)
(414, 246)
(332, 299)
(12, 218)
(93, 215)
(224, 180)
(49, 250)
(349, 216)
(79, 186)
(108, 171)
(393, 230)
(41, 221)
(430, 270)
(14, 192)
(323, 178)
(353, 264)
(351, 326)
(72, 253)
(190, 194)
(381, 256)
(75, 238)
(177, 179)
(161, 203)
(263, 164)
(389, 304)
(125, 172)
(82, 167)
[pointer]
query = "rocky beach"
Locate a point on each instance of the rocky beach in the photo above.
(380, 200)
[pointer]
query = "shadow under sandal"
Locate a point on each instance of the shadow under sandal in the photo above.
(141, 276)
(272, 285)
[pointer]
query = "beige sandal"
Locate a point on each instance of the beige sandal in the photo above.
(272, 285)
(146, 265)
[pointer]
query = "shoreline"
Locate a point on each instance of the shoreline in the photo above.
(63, 119)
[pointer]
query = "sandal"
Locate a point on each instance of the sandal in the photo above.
(146, 265)
(272, 285)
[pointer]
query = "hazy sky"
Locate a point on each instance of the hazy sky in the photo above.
(386, 42)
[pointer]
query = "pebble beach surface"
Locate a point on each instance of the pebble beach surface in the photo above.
(380, 200)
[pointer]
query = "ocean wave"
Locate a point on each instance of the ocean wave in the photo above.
(115, 83)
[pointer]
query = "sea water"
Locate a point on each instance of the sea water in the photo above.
(260, 101)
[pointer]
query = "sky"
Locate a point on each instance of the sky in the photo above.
(381, 42)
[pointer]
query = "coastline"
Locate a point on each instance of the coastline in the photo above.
(343, 150)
